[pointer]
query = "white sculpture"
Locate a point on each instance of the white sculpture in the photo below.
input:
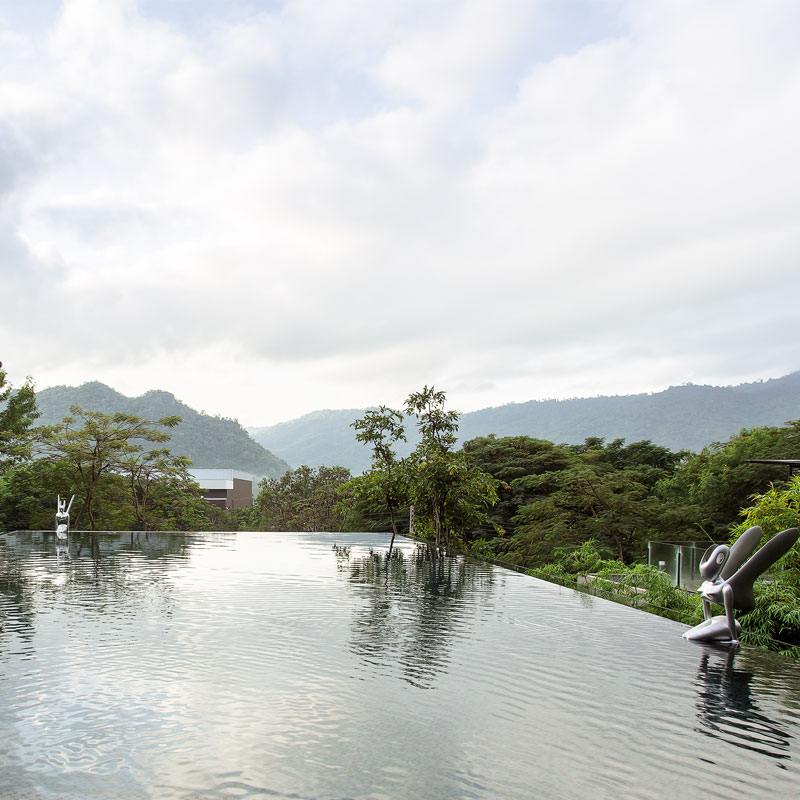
(62, 517)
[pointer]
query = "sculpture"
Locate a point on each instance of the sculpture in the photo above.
(729, 584)
(62, 517)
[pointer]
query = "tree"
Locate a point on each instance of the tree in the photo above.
(590, 501)
(713, 486)
(28, 493)
(97, 447)
(381, 429)
(514, 461)
(605, 493)
(157, 481)
(17, 414)
(450, 494)
(305, 499)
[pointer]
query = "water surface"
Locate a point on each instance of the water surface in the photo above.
(308, 666)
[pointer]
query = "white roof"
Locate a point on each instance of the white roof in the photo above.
(202, 475)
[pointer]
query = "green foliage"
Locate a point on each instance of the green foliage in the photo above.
(208, 441)
(99, 448)
(17, 414)
(639, 585)
(651, 589)
(776, 616)
(236, 519)
(370, 504)
(775, 620)
(481, 548)
(387, 485)
(552, 571)
(515, 462)
(713, 486)
(28, 494)
(588, 492)
(449, 492)
(776, 509)
(307, 499)
(583, 559)
(162, 492)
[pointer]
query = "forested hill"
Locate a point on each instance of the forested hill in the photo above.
(213, 442)
(681, 418)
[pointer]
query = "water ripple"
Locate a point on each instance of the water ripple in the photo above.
(273, 665)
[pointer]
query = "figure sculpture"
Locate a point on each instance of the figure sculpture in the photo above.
(62, 517)
(730, 576)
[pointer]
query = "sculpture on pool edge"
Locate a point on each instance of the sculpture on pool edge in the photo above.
(62, 517)
(729, 577)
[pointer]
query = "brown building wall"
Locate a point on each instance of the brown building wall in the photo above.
(242, 494)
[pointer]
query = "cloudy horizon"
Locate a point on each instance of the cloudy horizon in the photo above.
(269, 208)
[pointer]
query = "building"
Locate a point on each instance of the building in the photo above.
(225, 488)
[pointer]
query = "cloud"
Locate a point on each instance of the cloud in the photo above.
(350, 200)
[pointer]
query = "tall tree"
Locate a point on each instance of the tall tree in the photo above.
(156, 479)
(97, 445)
(380, 430)
(17, 414)
(448, 491)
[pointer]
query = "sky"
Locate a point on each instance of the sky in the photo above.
(268, 208)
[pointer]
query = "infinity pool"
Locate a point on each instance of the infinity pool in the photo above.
(277, 665)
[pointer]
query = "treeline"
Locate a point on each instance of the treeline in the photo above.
(117, 465)
(519, 499)
(621, 495)
(529, 501)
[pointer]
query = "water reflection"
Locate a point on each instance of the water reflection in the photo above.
(98, 573)
(728, 710)
(414, 608)
(17, 603)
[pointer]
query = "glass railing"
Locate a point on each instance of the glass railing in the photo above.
(681, 561)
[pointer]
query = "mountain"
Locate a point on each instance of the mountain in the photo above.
(324, 437)
(685, 417)
(212, 442)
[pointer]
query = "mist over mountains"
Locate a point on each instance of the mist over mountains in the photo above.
(685, 417)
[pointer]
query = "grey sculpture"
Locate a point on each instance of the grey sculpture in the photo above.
(62, 517)
(730, 576)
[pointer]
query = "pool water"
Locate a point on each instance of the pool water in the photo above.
(285, 665)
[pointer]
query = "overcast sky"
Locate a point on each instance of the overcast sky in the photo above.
(273, 207)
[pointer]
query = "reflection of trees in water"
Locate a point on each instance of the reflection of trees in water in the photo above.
(727, 709)
(413, 610)
(16, 601)
(97, 573)
(123, 568)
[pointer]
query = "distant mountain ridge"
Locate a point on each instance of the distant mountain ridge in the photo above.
(322, 438)
(210, 442)
(687, 417)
